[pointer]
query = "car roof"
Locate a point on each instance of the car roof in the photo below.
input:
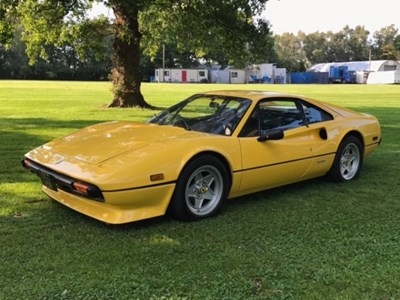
(250, 94)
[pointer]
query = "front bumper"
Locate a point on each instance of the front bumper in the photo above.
(114, 207)
(56, 181)
(121, 206)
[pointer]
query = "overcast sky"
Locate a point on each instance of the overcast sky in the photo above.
(323, 15)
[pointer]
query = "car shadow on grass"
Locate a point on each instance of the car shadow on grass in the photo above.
(18, 136)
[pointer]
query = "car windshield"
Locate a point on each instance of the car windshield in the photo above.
(205, 113)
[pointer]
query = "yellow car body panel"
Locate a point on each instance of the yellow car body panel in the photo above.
(120, 206)
(136, 166)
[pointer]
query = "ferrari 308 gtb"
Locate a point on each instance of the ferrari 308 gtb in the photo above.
(190, 158)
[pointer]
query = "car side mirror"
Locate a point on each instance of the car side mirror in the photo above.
(273, 134)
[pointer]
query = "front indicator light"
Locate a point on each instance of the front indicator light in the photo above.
(26, 164)
(156, 177)
(87, 190)
(80, 187)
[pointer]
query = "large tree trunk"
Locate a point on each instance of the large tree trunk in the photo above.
(125, 75)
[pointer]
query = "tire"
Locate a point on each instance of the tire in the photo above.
(201, 190)
(348, 160)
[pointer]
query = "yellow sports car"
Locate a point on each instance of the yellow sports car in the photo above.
(190, 158)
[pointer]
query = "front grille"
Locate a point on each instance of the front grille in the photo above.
(54, 180)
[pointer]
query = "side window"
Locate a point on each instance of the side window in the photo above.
(279, 114)
(314, 114)
(273, 114)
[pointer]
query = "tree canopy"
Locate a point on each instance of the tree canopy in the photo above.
(299, 51)
(55, 39)
(205, 28)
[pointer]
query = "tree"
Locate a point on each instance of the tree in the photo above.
(83, 58)
(386, 44)
(347, 45)
(336, 50)
(316, 47)
(397, 45)
(197, 26)
(289, 49)
(356, 43)
(209, 27)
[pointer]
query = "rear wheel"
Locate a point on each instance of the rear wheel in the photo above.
(201, 189)
(348, 160)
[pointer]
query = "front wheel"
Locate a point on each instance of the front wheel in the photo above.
(201, 189)
(348, 160)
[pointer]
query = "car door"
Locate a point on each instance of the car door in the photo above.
(269, 162)
(321, 133)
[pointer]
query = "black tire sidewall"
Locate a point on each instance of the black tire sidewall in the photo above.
(335, 174)
(178, 207)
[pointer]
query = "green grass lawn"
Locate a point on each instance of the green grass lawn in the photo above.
(313, 240)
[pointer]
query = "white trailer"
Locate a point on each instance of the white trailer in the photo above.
(181, 75)
(228, 76)
(384, 77)
(267, 73)
(162, 75)
(237, 76)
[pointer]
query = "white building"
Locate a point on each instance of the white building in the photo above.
(370, 72)
(181, 75)
(267, 73)
(227, 75)
(386, 77)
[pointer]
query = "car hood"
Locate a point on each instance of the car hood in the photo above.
(99, 143)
